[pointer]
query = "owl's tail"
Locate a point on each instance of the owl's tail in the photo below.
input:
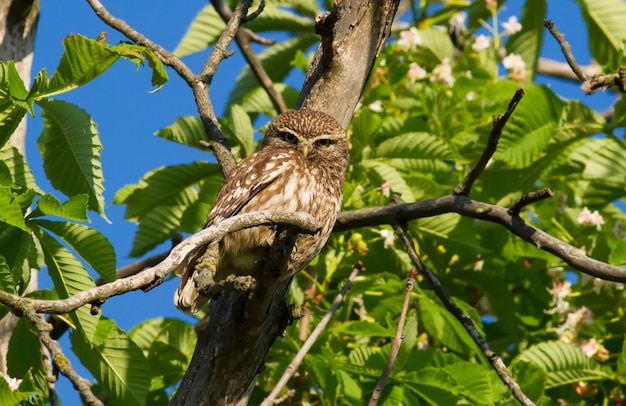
(197, 269)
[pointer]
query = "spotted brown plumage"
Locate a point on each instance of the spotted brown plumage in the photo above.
(300, 167)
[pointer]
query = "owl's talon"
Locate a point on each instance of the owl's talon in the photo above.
(237, 283)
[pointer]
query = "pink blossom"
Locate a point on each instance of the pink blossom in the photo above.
(388, 237)
(590, 348)
(481, 43)
(443, 73)
(376, 106)
(560, 291)
(587, 218)
(516, 66)
(386, 189)
(512, 26)
(415, 72)
(410, 39)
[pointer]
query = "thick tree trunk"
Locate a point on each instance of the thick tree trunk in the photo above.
(18, 23)
(230, 352)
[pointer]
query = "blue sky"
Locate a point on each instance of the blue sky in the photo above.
(127, 116)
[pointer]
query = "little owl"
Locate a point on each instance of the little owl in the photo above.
(300, 167)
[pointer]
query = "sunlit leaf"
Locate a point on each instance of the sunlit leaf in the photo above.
(116, 362)
(88, 242)
(70, 146)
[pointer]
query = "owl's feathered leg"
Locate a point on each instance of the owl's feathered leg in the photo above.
(197, 275)
(206, 268)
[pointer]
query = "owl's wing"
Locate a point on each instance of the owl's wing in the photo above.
(248, 179)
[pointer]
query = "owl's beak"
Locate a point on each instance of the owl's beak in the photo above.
(305, 149)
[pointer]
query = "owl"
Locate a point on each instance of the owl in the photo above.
(300, 168)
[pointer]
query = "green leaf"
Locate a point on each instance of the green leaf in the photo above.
(381, 172)
(70, 146)
(116, 362)
(24, 351)
(274, 18)
(204, 30)
(476, 382)
(621, 362)
(438, 42)
(564, 363)
(527, 43)
(241, 130)
(363, 328)
(13, 398)
(434, 385)
(10, 211)
(161, 223)
(607, 32)
(69, 277)
(530, 377)
(186, 130)
(15, 247)
(7, 281)
(441, 324)
(207, 26)
(258, 101)
(276, 62)
(74, 209)
(6, 180)
(20, 171)
(531, 128)
(88, 242)
(414, 146)
(83, 60)
(163, 186)
(9, 120)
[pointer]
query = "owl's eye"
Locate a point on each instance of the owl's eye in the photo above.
(289, 137)
(323, 143)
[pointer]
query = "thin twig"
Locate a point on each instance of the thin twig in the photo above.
(243, 38)
(297, 360)
(397, 340)
(80, 384)
(590, 83)
(467, 323)
(529, 198)
(566, 48)
(199, 85)
(303, 222)
(499, 121)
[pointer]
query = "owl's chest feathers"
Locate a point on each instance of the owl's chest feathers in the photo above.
(297, 189)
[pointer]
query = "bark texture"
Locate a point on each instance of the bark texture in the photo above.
(231, 350)
(18, 24)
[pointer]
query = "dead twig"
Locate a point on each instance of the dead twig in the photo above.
(244, 37)
(297, 360)
(529, 198)
(499, 121)
(25, 308)
(590, 84)
(397, 340)
(198, 84)
(467, 323)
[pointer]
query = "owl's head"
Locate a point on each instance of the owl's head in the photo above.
(312, 133)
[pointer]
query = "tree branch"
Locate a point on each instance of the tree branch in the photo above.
(467, 323)
(303, 222)
(199, 85)
(306, 347)
(499, 121)
(397, 340)
(243, 38)
(589, 83)
(26, 308)
(402, 213)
